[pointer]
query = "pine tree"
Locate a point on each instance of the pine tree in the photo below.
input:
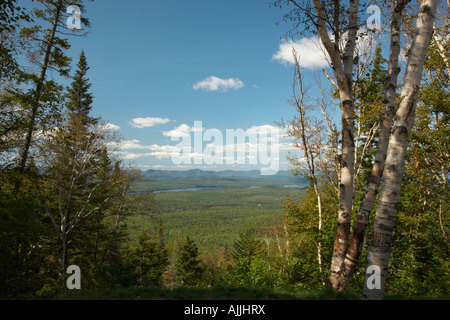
(189, 270)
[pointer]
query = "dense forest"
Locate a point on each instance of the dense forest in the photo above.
(374, 188)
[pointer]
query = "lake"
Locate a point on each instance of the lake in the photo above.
(205, 188)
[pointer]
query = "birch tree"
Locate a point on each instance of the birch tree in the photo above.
(388, 111)
(380, 244)
(323, 16)
(329, 20)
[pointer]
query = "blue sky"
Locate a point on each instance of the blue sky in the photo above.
(158, 66)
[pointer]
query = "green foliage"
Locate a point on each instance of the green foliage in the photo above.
(22, 229)
(214, 217)
(79, 98)
(74, 204)
(246, 247)
(149, 258)
(189, 269)
(420, 257)
(11, 16)
(246, 250)
(302, 222)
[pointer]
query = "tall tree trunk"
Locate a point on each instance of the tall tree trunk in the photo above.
(37, 94)
(343, 71)
(367, 204)
(310, 159)
(63, 253)
(380, 246)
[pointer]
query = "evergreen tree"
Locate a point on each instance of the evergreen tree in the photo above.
(79, 98)
(151, 259)
(43, 100)
(189, 270)
(246, 247)
(83, 190)
(249, 271)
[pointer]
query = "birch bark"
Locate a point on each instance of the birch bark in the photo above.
(380, 246)
(343, 71)
(368, 202)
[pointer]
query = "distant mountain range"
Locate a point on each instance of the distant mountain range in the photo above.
(154, 180)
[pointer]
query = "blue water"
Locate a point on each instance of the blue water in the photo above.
(205, 188)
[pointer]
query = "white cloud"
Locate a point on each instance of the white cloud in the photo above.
(160, 152)
(136, 144)
(267, 128)
(182, 131)
(223, 151)
(310, 50)
(131, 144)
(217, 84)
(148, 122)
(312, 53)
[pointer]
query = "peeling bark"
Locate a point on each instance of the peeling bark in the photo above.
(380, 246)
(368, 202)
(342, 63)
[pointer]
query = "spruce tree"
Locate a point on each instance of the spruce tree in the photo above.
(246, 247)
(79, 98)
(188, 266)
(151, 259)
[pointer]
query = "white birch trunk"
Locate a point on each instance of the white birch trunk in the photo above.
(380, 246)
(367, 204)
(343, 71)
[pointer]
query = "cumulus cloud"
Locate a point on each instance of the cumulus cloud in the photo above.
(156, 150)
(239, 146)
(312, 53)
(267, 128)
(148, 122)
(217, 84)
(310, 50)
(182, 131)
(136, 144)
